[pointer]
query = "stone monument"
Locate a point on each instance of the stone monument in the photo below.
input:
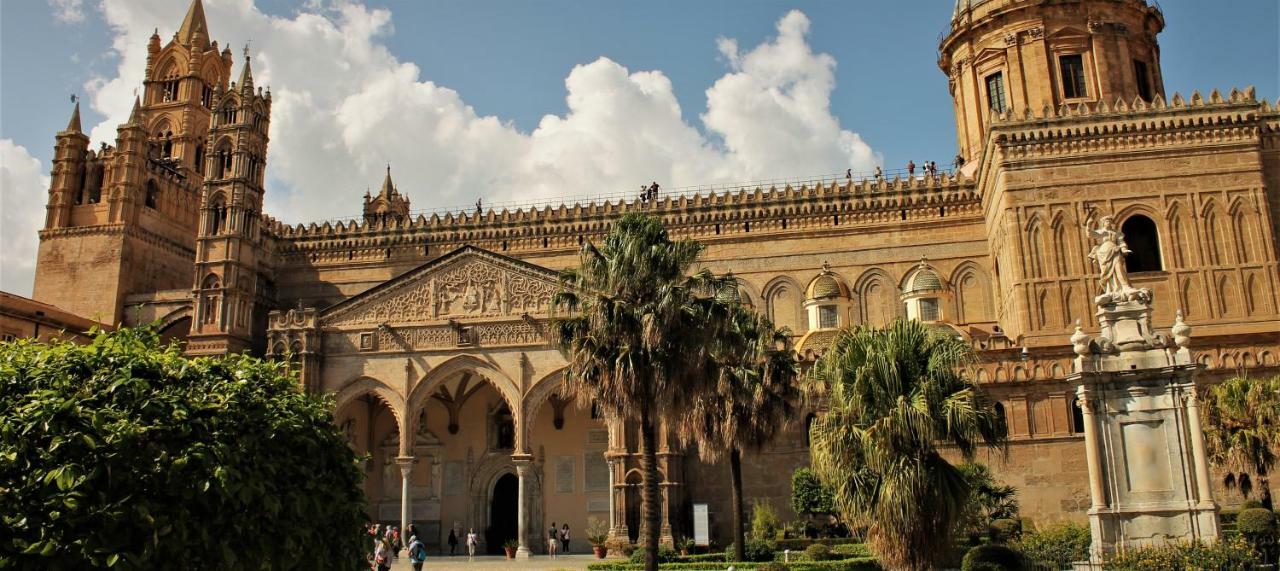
(1148, 474)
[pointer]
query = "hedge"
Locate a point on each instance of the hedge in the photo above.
(855, 564)
(799, 544)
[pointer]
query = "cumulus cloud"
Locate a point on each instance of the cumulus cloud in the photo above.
(345, 106)
(68, 11)
(23, 188)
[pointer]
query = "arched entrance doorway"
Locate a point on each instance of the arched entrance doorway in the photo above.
(503, 507)
(634, 508)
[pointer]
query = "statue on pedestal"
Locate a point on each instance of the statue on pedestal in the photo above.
(1109, 254)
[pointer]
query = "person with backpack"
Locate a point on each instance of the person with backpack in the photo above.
(417, 553)
(382, 555)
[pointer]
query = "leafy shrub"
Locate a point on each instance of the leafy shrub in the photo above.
(665, 555)
(1250, 505)
(1056, 546)
(754, 550)
(1228, 553)
(764, 521)
(1005, 530)
(991, 557)
(861, 564)
(801, 544)
(809, 495)
(819, 552)
(128, 454)
(772, 566)
(1258, 527)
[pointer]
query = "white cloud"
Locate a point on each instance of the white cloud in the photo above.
(344, 106)
(68, 11)
(23, 188)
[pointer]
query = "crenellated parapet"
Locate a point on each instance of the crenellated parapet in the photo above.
(1089, 127)
(703, 216)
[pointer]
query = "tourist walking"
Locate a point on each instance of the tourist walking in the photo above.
(471, 544)
(911, 168)
(382, 555)
(564, 538)
(417, 553)
(453, 542)
(553, 541)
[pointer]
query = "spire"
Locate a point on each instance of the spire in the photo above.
(246, 74)
(388, 188)
(74, 125)
(135, 116)
(193, 22)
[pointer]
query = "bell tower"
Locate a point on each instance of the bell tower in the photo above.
(231, 277)
(1019, 56)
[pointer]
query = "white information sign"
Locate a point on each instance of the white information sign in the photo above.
(701, 528)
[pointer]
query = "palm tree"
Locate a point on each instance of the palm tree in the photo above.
(1242, 431)
(638, 335)
(753, 399)
(893, 396)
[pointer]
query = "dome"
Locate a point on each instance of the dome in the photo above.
(827, 285)
(924, 279)
(965, 5)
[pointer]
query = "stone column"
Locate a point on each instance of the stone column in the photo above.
(1096, 492)
(406, 467)
(1197, 449)
(523, 466)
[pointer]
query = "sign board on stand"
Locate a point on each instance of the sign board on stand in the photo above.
(701, 529)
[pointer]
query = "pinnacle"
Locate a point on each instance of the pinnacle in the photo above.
(74, 125)
(388, 188)
(193, 22)
(135, 116)
(246, 74)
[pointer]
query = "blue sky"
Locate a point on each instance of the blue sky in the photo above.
(446, 92)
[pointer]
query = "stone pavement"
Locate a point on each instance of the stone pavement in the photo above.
(574, 562)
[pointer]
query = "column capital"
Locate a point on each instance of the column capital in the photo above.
(405, 463)
(522, 458)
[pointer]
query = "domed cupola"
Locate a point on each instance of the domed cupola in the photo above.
(924, 293)
(827, 301)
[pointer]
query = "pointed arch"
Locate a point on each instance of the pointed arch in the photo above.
(1063, 245)
(1068, 304)
(784, 303)
(1254, 300)
(458, 365)
(1177, 220)
(973, 294)
(361, 386)
(1035, 248)
(877, 297)
(1213, 236)
(1227, 296)
(1043, 312)
(1247, 246)
(1190, 298)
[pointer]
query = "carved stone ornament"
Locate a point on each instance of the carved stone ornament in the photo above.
(1109, 254)
(467, 283)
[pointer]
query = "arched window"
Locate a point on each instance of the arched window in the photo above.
(217, 216)
(223, 159)
(209, 299)
(1077, 417)
(200, 159)
(153, 194)
(1002, 419)
(166, 144)
(1144, 244)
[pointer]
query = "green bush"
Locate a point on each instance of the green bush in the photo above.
(1258, 527)
(124, 453)
(809, 495)
(754, 550)
(1005, 530)
(859, 564)
(1229, 553)
(665, 555)
(1250, 505)
(1056, 546)
(764, 521)
(819, 552)
(801, 544)
(772, 566)
(991, 557)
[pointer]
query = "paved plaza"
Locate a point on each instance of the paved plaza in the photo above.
(536, 563)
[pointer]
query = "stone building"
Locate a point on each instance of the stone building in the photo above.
(432, 330)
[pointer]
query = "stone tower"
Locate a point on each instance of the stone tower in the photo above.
(121, 220)
(231, 281)
(1015, 56)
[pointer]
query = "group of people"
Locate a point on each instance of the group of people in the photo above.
(558, 539)
(472, 540)
(648, 193)
(930, 168)
(387, 543)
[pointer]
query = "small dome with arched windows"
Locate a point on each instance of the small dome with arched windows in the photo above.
(923, 279)
(827, 285)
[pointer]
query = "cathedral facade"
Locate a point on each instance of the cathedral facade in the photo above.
(432, 332)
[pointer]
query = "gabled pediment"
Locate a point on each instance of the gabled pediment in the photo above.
(466, 283)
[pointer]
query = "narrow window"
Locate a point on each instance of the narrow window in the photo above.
(1077, 416)
(1143, 78)
(929, 309)
(1144, 244)
(153, 195)
(200, 159)
(827, 317)
(1072, 67)
(995, 92)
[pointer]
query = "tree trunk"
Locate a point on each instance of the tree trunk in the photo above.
(649, 492)
(739, 533)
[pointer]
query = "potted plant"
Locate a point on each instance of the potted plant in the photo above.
(510, 546)
(686, 546)
(597, 535)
